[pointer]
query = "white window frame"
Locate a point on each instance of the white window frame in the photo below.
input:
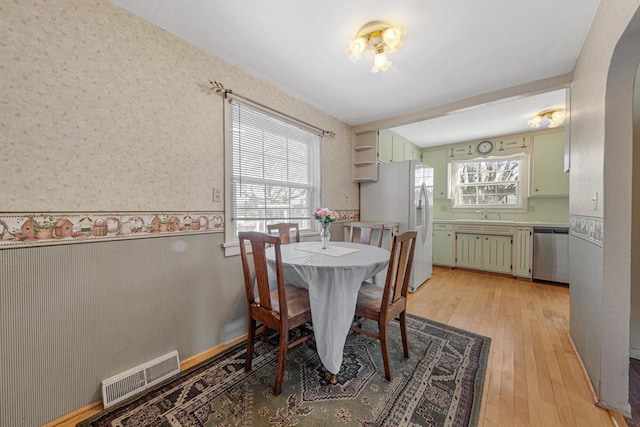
(523, 184)
(273, 122)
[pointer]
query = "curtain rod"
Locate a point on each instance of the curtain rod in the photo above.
(218, 88)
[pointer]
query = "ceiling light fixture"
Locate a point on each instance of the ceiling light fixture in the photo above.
(380, 38)
(554, 116)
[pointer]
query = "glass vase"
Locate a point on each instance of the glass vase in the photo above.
(325, 235)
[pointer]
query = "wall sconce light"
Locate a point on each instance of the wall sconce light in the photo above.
(380, 38)
(554, 116)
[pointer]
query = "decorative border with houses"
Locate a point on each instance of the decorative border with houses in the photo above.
(587, 227)
(348, 215)
(19, 230)
(36, 229)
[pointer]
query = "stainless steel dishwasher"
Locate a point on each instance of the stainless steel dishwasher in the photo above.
(551, 254)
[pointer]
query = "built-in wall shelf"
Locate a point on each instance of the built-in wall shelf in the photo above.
(364, 157)
(364, 147)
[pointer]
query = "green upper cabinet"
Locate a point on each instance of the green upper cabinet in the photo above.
(385, 146)
(438, 161)
(411, 152)
(394, 148)
(547, 174)
(398, 149)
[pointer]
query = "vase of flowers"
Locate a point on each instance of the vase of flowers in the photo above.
(325, 217)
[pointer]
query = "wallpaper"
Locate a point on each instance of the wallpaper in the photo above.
(123, 120)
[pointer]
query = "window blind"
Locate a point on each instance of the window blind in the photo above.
(275, 170)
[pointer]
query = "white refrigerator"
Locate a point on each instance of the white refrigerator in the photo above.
(404, 194)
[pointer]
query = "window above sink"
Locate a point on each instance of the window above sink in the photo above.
(490, 183)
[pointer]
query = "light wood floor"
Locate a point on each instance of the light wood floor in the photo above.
(534, 376)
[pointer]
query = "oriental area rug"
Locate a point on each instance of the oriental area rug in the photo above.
(440, 384)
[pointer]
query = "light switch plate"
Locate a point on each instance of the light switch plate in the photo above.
(217, 194)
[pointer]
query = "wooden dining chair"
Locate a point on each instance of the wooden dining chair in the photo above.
(283, 309)
(384, 304)
(362, 232)
(284, 231)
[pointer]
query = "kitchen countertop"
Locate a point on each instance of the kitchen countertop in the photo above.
(386, 224)
(500, 222)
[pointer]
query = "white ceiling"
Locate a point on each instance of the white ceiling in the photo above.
(495, 119)
(454, 50)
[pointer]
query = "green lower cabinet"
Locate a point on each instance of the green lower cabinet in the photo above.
(496, 254)
(443, 243)
(486, 247)
(469, 250)
(484, 252)
(523, 252)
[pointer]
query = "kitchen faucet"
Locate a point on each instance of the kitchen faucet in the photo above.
(484, 213)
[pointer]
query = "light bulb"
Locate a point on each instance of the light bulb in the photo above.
(535, 122)
(556, 119)
(356, 48)
(391, 37)
(380, 60)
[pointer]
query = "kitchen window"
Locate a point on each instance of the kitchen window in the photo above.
(273, 171)
(495, 182)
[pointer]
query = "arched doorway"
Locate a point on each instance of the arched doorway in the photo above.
(634, 324)
(619, 273)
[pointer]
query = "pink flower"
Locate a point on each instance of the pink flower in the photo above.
(325, 216)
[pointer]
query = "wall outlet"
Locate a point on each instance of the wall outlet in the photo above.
(217, 194)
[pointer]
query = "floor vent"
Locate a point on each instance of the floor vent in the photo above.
(126, 384)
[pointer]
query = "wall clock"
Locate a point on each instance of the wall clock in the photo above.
(485, 147)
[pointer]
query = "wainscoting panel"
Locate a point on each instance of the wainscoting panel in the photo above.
(72, 315)
(585, 318)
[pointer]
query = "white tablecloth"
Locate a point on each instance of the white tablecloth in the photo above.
(333, 283)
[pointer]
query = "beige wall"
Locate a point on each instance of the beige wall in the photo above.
(634, 340)
(101, 111)
(601, 161)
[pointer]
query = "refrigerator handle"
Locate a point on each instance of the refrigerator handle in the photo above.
(425, 212)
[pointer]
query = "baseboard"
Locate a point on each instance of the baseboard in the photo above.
(73, 418)
(584, 370)
(634, 353)
(616, 416)
(207, 354)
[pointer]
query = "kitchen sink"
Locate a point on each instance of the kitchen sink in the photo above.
(497, 221)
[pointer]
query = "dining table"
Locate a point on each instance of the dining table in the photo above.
(333, 277)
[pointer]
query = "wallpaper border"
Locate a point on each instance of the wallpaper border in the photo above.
(587, 227)
(28, 229)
